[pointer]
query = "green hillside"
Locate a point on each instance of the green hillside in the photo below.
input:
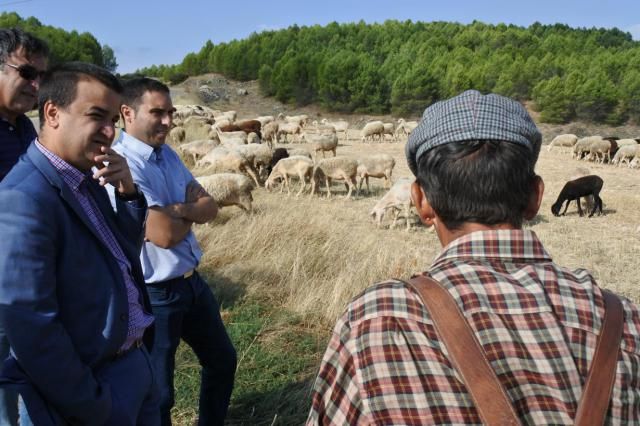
(401, 67)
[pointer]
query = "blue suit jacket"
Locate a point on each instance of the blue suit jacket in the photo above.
(63, 299)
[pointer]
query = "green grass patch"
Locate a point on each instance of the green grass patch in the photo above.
(278, 358)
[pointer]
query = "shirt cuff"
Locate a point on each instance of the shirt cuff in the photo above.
(136, 199)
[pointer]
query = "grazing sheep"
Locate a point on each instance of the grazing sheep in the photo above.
(196, 128)
(299, 166)
(566, 140)
(177, 134)
(377, 166)
(625, 142)
(197, 149)
(339, 168)
(398, 198)
(626, 153)
(299, 151)
(582, 146)
(581, 187)
(287, 129)
(265, 119)
(229, 189)
(301, 120)
(247, 126)
(405, 127)
(278, 154)
(372, 129)
(258, 155)
(323, 142)
(270, 133)
(232, 138)
(389, 130)
(600, 150)
(223, 160)
(581, 172)
(341, 126)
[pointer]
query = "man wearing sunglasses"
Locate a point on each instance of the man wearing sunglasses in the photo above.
(23, 59)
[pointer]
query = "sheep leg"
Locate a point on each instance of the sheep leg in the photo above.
(327, 182)
(566, 207)
(579, 207)
(286, 183)
(360, 180)
(253, 176)
(596, 205)
(303, 184)
(368, 190)
(334, 152)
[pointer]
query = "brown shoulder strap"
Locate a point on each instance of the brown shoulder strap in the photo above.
(596, 393)
(468, 358)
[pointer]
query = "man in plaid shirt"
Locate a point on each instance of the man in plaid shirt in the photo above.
(474, 158)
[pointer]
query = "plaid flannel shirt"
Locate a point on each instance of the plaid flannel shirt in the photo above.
(537, 323)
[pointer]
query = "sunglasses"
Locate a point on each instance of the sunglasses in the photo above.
(28, 72)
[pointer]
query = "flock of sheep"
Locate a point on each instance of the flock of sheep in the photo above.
(233, 150)
(601, 149)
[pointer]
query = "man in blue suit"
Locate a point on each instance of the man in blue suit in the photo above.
(72, 296)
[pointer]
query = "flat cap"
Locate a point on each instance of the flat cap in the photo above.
(472, 116)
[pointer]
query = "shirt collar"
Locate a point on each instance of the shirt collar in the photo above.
(511, 245)
(140, 148)
(71, 176)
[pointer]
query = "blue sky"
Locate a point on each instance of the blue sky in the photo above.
(144, 33)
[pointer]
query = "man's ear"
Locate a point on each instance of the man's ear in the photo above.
(128, 114)
(52, 114)
(425, 211)
(535, 199)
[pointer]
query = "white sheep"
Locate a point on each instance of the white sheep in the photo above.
(197, 149)
(298, 166)
(341, 126)
(398, 199)
(372, 129)
(223, 160)
(626, 153)
(389, 130)
(298, 151)
(625, 142)
(566, 140)
(270, 133)
(287, 129)
(583, 145)
(338, 168)
(323, 142)
(599, 150)
(229, 189)
(377, 166)
(177, 134)
(405, 127)
(265, 119)
(258, 155)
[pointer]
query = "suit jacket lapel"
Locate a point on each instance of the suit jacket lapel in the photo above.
(45, 167)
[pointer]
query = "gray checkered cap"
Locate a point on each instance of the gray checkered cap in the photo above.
(472, 116)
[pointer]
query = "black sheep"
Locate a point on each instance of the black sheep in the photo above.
(581, 187)
(278, 154)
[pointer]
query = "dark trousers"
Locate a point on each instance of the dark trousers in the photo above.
(186, 308)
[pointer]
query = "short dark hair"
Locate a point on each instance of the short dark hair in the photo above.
(59, 85)
(135, 88)
(13, 39)
(481, 181)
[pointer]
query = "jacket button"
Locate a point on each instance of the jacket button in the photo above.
(123, 317)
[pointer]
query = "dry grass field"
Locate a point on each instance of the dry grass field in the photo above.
(314, 253)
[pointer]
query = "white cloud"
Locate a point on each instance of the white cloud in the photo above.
(635, 31)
